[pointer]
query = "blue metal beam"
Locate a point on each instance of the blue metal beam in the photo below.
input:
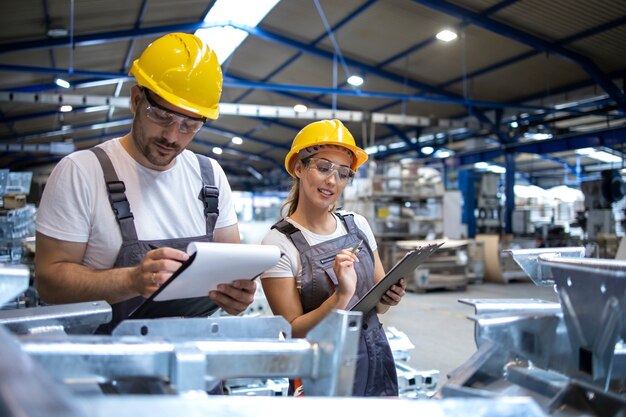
(609, 137)
(558, 90)
(30, 161)
(533, 41)
(559, 161)
(375, 94)
(467, 180)
(317, 40)
(64, 71)
(128, 121)
(276, 38)
(272, 37)
(105, 37)
(299, 89)
(412, 146)
(29, 116)
(509, 192)
(433, 39)
(204, 142)
(98, 38)
(570, 39)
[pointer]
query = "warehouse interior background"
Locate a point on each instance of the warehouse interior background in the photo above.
(490, 124)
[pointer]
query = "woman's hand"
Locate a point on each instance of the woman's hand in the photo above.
(394, 295)
(346, 274)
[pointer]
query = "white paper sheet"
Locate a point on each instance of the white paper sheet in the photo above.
(219, 263)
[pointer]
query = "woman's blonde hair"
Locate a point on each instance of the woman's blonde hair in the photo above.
(290, 204)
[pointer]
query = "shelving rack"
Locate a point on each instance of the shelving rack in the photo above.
(400, 202)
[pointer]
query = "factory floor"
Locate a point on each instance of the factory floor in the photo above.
(437, 324)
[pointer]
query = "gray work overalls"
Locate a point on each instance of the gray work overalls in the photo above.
(375, 370)
(133, 250)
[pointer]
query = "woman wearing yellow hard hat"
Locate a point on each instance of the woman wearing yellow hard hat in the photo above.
(331, 258)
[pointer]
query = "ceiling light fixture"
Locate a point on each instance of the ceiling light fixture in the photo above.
(537, 136)
(443, 153)
(225, 39)
(355, 80)
(427, 150)
(66, 108)
(62, 83)
(57, 32)
(446, 35)
(602, 156)
(217, 150)
(300, 108)
(371, 150)
(237, 140)
(496, 169)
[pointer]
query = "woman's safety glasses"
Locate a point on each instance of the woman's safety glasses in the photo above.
(166, 117)
(327, 168)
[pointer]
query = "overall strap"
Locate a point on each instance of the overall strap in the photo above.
(348, 221)
(117, 197)
(209, 194)
(293, 233)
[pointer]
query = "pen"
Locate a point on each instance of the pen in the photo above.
(357, 246)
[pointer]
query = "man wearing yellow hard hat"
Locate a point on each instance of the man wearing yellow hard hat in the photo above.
(114, 220)
(331, 258)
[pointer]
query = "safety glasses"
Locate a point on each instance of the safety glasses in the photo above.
(166, 117)
(327, 168)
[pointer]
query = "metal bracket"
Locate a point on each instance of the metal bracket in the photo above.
(13, 281)
(78, 318)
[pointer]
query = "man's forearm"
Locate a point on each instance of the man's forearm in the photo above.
(67, 282)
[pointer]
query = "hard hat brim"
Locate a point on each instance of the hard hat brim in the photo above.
(360, 156)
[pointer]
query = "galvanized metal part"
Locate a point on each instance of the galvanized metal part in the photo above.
(27, 390)
(527, 260)
(78, 318)
(207, 328)
(168, 406)
(570, 356)
(13, 281)
(592, 294)
(325, 360)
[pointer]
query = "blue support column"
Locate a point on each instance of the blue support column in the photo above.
(467, 178)
(509, 183)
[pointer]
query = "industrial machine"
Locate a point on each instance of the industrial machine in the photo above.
(568, 356)
(534, 358)
(50, 365)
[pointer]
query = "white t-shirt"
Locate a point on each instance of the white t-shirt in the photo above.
(75, 206)
(290, 265)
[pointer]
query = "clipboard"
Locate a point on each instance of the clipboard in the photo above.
(185, 293)
(403, 268)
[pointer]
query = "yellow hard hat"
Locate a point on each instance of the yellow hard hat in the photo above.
(182, 70)
(325, 132)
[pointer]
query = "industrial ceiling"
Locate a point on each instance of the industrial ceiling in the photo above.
(526, 83)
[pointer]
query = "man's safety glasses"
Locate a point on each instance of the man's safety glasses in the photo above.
(166, 117)
(327, 168)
